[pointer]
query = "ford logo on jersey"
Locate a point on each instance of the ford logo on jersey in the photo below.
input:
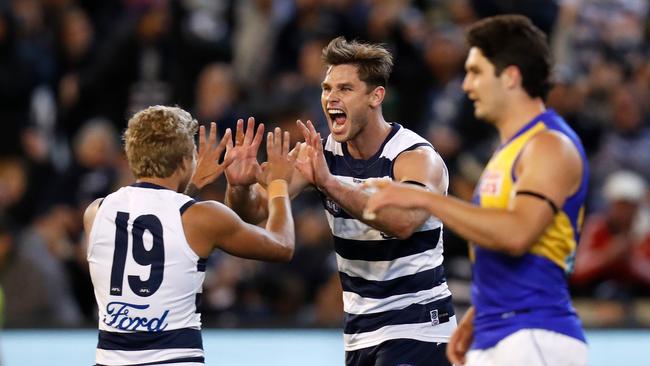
(118, 316)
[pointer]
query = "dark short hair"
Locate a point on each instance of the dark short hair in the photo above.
(514, 40)
(374, 61)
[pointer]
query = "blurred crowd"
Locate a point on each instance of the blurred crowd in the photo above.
(73, 71)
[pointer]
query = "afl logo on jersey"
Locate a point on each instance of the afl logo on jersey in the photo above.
(491, 182)
(332, 207)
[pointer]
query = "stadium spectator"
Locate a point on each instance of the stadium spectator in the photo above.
(611, 239)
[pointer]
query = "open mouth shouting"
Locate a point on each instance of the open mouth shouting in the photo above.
(338, 118)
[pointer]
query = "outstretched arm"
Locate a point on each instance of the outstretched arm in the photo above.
(210, 225)
(549, 165)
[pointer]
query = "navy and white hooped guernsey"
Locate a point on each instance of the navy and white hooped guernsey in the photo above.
(391, 288)
(147, 279)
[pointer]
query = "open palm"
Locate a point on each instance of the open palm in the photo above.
(281, 162)
(208, 168)
(244, 167)
(312, 164)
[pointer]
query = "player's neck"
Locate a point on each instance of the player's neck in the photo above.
(170, 183)
(517, 115)
(369, 140)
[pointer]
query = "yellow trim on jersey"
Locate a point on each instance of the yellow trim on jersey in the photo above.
(553, 243)
(496, 190)
(495, 185)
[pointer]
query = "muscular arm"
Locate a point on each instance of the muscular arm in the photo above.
(209, 225)
(421, 165)
(549, 165)
(510, 231)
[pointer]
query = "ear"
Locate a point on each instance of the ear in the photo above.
(511, 77)
(377, 96)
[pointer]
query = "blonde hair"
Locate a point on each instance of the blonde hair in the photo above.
(157, 140)
(374, 62)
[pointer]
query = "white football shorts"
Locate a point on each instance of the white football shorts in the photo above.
(532, 347)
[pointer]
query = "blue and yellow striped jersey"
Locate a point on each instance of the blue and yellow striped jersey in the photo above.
(512, 293)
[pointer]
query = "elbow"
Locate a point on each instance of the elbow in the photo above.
(517, 245)
(402, 231)
(287, 254)
(284, 250)
(403, 234)
(404, 225)
(254, 217)
(516, 250)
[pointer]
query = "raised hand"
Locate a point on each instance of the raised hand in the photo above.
(244, 169)
(280, 163)
(208, 168)
(264, 172)
(312, 164)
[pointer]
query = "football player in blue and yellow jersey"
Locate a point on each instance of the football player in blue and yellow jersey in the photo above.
(528, 207)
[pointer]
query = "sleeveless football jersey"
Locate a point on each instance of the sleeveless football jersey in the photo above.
(146, 277)
(391, 288)
(512, 293)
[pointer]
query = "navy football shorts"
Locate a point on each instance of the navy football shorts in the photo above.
(400, 352)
